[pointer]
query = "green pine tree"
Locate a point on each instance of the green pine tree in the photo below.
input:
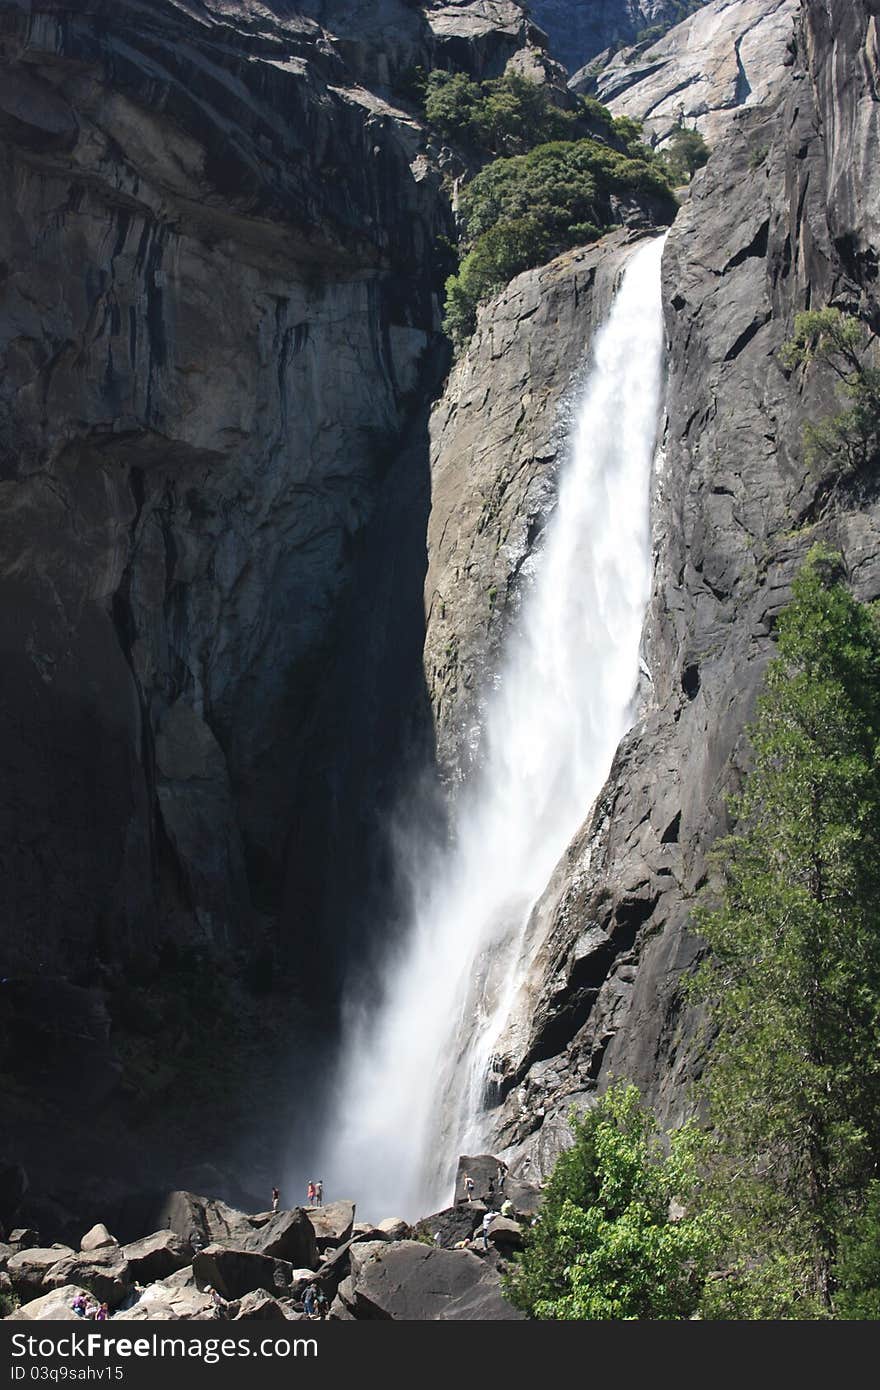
(793, 977)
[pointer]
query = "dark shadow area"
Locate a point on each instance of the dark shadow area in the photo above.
(371, 740)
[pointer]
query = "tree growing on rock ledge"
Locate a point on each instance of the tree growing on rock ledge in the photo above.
(793, 978)
(613, 1240)
(848, 443)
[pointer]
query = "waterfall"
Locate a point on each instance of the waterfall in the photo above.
(413, 1080)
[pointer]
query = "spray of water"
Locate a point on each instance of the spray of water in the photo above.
(412, 1084)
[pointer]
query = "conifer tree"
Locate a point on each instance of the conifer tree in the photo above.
(793, 976)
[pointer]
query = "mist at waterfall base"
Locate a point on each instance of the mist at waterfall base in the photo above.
(410, 1093)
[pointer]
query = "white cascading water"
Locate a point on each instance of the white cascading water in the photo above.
(412, 1082)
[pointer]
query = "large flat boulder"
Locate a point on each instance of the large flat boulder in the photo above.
(178, 1297)
(28, 1268)
(105, 1273)
(410, 1281)
(238, 1272)
(49, 1307)
(332, 1224)
(155, 1257)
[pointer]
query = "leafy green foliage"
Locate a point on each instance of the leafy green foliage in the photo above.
(605, 1245)
(506, 115)
(521, 211)
(857, 1272)
(685, 153)
(793, 979)
(849, 442)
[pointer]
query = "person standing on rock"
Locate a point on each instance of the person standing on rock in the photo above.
(276, 1198)
(469, 1187)
(487, 1222)
(502, 1174)
(309, 1298)
(319, 1193)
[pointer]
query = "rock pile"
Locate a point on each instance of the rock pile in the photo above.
(259, 1266)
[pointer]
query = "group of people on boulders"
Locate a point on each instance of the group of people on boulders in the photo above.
(87, 1307)
(494, 1190)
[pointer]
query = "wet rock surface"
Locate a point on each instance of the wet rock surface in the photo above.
(498, 438)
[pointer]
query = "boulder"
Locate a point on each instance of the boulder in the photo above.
(24, 1238)
(506, 1235)
(6, 1254)
(332, 1224)
(28, 1268)
(525, 1196)
(410, 1281)
(177, 1297)
(155, 1257)
(259, 1306)
(104, 1273)
(485, 1170)
(49, 1307)
(237, 1272)
(98, 1238)
(448, 1227)
(203, 1220)
(300, 1279)
(394, 1228)
(339, 1311)
(286, 1235)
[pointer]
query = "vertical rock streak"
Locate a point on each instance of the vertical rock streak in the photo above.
(413, 1086)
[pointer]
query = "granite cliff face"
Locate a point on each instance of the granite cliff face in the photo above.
(783, 217)
(222, 484)
(728, 55)
(218, 326)
(210, 341)
(582, 30)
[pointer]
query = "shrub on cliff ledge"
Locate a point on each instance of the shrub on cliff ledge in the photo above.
(506, 115)
(847, 443)
(605, 1245)
(522, 211)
